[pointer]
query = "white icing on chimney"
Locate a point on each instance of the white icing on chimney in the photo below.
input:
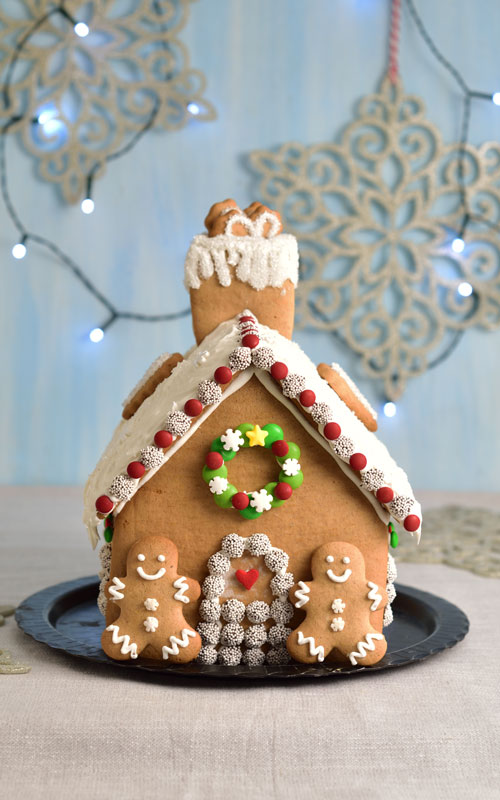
(257, 261)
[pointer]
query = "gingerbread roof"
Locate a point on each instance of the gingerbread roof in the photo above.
(180, 404)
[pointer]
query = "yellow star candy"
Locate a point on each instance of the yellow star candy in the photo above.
(257, 436)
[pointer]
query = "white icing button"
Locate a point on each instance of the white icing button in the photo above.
(329, 559)
(141, 557)
(346, 560)
(161, 558)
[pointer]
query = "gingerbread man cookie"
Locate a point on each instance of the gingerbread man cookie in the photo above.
(151, 597)
(338, 603)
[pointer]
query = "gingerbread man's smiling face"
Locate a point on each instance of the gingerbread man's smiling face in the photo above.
(338, 561)
(152, 558)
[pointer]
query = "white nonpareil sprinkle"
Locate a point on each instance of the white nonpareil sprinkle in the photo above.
(240, 358)
(152, 457)
(177, 423)
(122, 487)
(233, 545)
(209, 392)
(276, 560)
(293, 385)
(233, 610)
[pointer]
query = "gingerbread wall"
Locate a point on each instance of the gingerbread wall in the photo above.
(177, 503)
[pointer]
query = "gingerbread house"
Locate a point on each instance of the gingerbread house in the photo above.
(249, 459)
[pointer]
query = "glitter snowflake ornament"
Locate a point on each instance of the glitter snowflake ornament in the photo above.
(375, 216)
(130, 71)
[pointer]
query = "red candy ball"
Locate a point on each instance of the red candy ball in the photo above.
(214, 460)
(104, 504)
(279, 371)
(163, 439)
(332, 431)
(240, 500)
(280, 448)
(250, 340)
(135, 469)
(247, 319)
(283, 491)
(357, 461)
(223, 375)
(307, 398)
(385, 494)
(412, 522)
(193, 407)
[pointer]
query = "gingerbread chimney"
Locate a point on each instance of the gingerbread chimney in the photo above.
(243, 261)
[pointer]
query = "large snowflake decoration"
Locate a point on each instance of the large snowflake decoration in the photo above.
(94, 93)
(375, 216)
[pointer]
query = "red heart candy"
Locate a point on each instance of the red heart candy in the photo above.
(248, 578)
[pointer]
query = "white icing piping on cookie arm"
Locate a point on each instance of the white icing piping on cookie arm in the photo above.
(182, 585)
(114, 590)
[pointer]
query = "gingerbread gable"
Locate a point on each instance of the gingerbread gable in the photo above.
(182, 402)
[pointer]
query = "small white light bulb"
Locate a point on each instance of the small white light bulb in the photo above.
(496, 98)
(96, 335)
(390, 409)
(87, 205)
(45, 116)
(19, 250)
(465, 289)
(81, 29)
(458, 245)
(193, 109)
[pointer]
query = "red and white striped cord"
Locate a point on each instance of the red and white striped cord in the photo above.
(393, 68)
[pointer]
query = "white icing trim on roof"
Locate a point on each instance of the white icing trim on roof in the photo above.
(352, 386)
(138, 432)
(147, 375)
(233, 387)
(259, 262)
(273, 388)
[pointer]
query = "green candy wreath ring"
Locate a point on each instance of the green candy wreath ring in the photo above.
(252, 504)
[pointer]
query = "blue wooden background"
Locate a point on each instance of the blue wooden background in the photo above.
(276, 71)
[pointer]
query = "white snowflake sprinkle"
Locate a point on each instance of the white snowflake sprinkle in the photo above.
(151, 624)
(337, 624)
(291, 467)
(218, 485)
(338, 606)
(151, 604)
(232, 440)
(261, 501)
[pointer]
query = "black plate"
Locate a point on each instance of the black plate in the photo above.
(66, 618)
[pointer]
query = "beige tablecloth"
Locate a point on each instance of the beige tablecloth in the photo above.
(70, 729)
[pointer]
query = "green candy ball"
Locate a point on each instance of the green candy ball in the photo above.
(250, 513)
(217, 445)
(293, 452)
(207, 474)
(293, 480)
(275, 502)
(394, 539)
(243, 429)
(274, 433)
(224, 500)
(108, 534)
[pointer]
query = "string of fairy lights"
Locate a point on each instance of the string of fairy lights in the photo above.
(49, 121)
